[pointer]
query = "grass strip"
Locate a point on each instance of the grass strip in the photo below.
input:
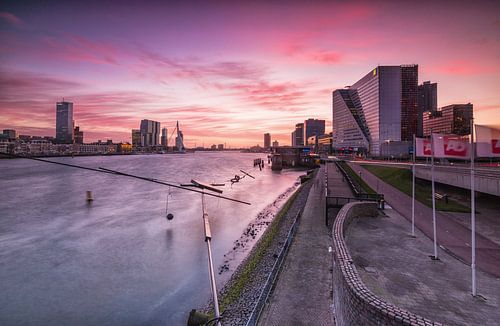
(357, 179)
(401, 179)
(252, 262)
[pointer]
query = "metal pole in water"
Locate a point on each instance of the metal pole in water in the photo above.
(208, 237)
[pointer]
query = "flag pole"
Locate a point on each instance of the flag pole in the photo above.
(413, 191)
(473, 208)
(433, 198)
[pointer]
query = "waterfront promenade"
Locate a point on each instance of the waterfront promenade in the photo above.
(397, 269)
(302, 294)
(452, 234)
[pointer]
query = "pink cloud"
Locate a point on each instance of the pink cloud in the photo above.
(78, 48)
(328, 57)
(198, 68)
(464, 68)
(11, 19)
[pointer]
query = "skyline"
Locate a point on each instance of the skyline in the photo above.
(230, 70)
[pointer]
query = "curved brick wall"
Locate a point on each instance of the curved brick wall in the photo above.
(354, 303)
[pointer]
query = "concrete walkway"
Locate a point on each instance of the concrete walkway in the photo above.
(302, 294)
(396, 267)
(451, 233)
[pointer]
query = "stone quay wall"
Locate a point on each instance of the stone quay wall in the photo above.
(354, 303)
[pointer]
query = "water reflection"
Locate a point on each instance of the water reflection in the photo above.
(65, 261)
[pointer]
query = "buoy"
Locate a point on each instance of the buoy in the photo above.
(89, 196)
(170, 216)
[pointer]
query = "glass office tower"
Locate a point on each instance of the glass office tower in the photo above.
(385, 103)
(64, 123)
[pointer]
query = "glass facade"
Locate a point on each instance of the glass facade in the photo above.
(150, 131)
(409, 101)
(299, 134)
(64, 123)
(313, 127)
(452, 119)
(427, 101)
(267, 141)
(382, 107)
(349, 127)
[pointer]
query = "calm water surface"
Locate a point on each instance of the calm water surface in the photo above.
(118, 261)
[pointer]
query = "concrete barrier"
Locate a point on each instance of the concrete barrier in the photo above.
(354, 303)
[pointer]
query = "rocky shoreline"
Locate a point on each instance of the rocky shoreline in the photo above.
(254, 231)
(240, 294)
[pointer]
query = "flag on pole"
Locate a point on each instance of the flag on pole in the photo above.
(451, 146)
(487, 141)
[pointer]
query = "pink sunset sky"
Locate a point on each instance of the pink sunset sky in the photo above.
(231, 71)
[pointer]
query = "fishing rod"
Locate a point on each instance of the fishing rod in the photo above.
(109, 171)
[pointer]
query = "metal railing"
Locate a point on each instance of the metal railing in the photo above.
(359, 194)
(271, 279)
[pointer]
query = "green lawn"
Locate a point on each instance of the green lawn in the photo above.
(357, 179)
(402, 179)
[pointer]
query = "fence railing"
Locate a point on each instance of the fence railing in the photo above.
(359, 194)
(271, 279)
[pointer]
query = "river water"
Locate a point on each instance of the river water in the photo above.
(118, 261)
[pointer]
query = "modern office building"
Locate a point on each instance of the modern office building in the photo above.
(136, 137)
(164, 137)
(427, 101)
(150, 131)
(299, 134)
(78, 135)
(349, 126)
(293, 139)
(409, 101)
(64, 123)
(267, 141)
(313, 127)
(452, 119)
(378, 110)
(10, 134)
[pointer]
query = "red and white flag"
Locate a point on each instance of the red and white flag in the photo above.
(451, 146)
(487, 141)
(423, 147)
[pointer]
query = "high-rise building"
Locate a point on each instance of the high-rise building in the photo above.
(427, 101)
(150, 131)
(10, 134)
(164, 137)
(349, 125)
(78, 135)
(136, 137)
(64, 123)
(380, 108)
(276, 143)
(299, 134)
(409, 101)
(293, 138)
(452, 119)
(267, 141)
(313, 127)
